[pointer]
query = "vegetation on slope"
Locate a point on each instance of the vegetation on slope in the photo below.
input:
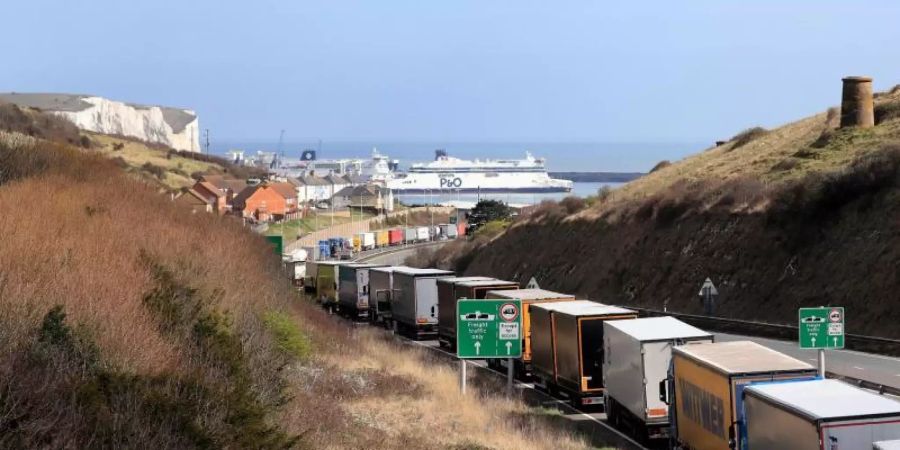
(126, 322)
(805, 214)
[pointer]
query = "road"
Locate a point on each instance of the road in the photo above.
(884, 370)
(879, 369)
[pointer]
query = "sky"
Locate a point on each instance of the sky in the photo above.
(460, 70)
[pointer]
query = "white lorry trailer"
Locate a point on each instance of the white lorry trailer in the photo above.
(818, 415)
(886, 445)
(423, 234)
(637, 355)
(414, 306)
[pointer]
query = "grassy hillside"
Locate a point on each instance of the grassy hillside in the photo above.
(126, 322)
(802, 215)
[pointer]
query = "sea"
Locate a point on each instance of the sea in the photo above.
(560, 157)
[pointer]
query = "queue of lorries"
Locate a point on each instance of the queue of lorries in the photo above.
(338, 247)
(656, 377)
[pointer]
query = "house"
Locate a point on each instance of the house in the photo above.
(196, 201)
(372, 197)
(356, 179)
(218, 196)
(229, 187)
(267, 202)
(312, 189)
(335, 184)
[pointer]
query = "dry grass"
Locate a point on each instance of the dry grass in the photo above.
(774, 159)
(127, 322)
(137, 155)
(423, 408)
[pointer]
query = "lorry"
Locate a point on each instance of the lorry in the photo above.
(448, 231)
(414, 302)
(353, 294)
(309, 280)
(450, 292)
(636, 358)
(395, 236)
(529, 297)
(368, 240)
(327, 283)
(567, 348)
(382, 238)
(381, 285)
(818, 415)
(422, 234)
(706, 387)
(409, 235)
(324, 250)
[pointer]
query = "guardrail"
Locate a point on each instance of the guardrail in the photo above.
(871, 344)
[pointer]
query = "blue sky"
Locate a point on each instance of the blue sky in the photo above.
(458, 70)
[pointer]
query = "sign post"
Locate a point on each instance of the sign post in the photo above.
(708, 294)
(821, 328)
(488, 329)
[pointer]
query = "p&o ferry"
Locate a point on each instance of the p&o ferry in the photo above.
(447, 173)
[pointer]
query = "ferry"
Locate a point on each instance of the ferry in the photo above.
(447, 173)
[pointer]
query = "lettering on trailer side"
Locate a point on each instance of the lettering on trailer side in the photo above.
(703, 408)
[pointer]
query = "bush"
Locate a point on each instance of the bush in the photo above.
(492, 229)
(661, 165)
(157, 171)
(288, 336)
(40, 125)
(747, 136)
(818, 196)
(886, 111)
(572, 204)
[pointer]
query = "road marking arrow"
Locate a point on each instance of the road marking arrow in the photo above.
(478, 348)
(509, 348)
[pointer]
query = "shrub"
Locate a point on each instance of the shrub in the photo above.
(157, 171)
(572, 204)
(38, 124)
(886, 111)
(747, 136)
(818, 196)
(661, 165)
(288, 336)
(492, 229)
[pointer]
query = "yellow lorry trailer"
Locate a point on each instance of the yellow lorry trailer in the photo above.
(708, 382)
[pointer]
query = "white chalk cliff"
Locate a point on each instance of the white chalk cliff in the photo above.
(176, 128)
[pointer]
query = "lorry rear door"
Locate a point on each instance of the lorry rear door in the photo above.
(591, 352)
(426, 301)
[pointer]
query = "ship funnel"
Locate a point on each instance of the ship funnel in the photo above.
(440, 153)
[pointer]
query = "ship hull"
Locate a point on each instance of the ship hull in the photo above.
(493, 190)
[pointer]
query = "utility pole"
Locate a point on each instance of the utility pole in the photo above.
(207, 140)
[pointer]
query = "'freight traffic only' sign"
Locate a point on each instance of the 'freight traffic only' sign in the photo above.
(488, 329)
(822, 327)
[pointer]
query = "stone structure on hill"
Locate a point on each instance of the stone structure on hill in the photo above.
(173, 127)
(857, 103)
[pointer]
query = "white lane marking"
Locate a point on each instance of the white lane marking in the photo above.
(858, 368)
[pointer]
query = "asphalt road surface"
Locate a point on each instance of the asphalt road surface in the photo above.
(884, 370)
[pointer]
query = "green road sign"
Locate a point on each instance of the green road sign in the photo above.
(822, 327)
(488, 329)
(277, 242)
